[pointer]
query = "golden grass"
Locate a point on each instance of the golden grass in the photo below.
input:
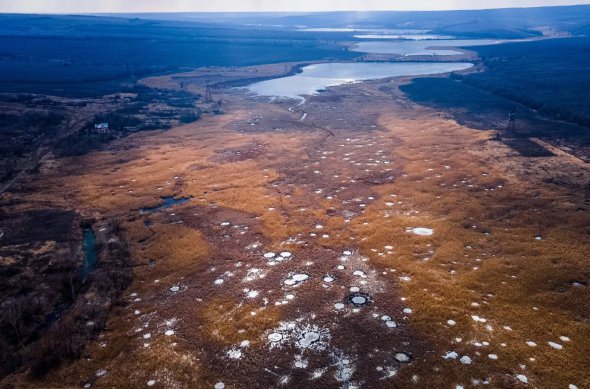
(518, 281)
(228, 322)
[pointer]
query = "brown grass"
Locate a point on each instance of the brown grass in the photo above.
(518, 281)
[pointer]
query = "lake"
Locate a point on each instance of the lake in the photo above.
(399, 31)
(420, 47)
(317, 77)
(409, 37)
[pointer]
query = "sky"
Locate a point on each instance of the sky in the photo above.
(102, 6)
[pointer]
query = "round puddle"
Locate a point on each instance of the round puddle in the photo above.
(359, 299)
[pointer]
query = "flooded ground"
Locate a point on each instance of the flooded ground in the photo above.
(167, 202)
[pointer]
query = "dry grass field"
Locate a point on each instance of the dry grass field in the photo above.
(375, 244)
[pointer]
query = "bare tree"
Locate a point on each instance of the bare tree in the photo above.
(15, 313)
(9, 165)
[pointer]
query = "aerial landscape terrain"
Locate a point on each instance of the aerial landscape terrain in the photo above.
(295, 200)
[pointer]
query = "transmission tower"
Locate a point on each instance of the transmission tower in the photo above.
(512, 121)
(208, 95)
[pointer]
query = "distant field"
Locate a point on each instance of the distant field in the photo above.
(549, 78)
(89, 56)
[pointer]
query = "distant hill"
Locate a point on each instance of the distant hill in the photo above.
(90, 55)
(498, 23)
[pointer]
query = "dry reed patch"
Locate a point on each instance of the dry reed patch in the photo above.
(174, 248)
(482, 260)
(227, 322)
(485, 226)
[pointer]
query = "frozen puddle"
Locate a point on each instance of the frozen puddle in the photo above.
(308, 338)
(302, 335)
(296, 278)
(274, 259)
(402, 357)
(422, 231)
(359, 299)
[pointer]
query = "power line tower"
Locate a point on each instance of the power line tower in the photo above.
(512, 122)
(208, 95)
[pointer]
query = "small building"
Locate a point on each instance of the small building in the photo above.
(101, 127)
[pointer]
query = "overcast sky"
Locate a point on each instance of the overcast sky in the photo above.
(96, 6)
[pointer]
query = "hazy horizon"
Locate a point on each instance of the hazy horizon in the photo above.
(146, 6)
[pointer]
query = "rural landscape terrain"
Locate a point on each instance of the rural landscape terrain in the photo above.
(330, 200)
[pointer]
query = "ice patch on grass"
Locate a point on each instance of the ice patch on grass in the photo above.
(234, 353)
(304, 336)
(554, 345)
(254, 274)
(317, 373)
(391, 324)
(451, 355)
(466, 360)
(252, 293)
(101, 372)
(310, 336)
(522, 378)
(296, 278)
(344, 367)
(300, 363)
(422, 231)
